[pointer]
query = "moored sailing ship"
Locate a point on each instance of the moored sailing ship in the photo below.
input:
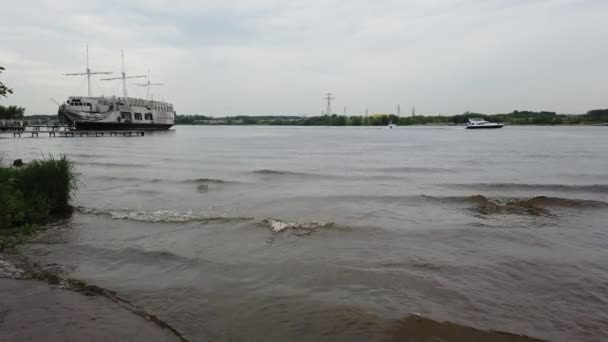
(116, 113)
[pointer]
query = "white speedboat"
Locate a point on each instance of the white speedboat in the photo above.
(480, 123)
(391, 125)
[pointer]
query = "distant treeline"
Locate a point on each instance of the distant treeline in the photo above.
(514, 118)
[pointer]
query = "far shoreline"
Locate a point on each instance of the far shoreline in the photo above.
(595, 117)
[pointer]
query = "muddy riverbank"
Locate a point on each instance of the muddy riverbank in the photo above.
(34, 310)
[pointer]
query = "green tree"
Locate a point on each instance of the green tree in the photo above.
(356, 120)
(4, 90)
(11, 112)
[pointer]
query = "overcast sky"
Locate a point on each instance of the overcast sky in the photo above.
(231, 57)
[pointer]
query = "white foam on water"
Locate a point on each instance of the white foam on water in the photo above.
(280, 225)
(162, 216)
(171, 216)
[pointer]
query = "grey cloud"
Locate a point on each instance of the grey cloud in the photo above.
(279, 57)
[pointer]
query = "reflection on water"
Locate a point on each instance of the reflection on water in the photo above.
(295, 233)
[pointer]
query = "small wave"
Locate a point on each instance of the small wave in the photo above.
(110, 164)
(530, 201)
(204, 184)
(159, 216)
(139, 255)
(543, 201)
(84, 155)
(281, 225)
(539, 205)
(206, 181)
(413, 169)
(147, 192)
(477, 200)
(418, 263)
(129, 179)
(594, 188)
(268, 172)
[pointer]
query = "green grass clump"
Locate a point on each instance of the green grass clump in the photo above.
(33, 195)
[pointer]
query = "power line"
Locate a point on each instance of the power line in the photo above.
(328, 97)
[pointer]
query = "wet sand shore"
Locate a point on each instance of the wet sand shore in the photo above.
(31, 310)
(36, 310)
(39, 305)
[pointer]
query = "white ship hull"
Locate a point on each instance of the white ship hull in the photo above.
(117, 113)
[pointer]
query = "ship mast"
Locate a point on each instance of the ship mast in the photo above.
(124, 75)
(88, 73)
(148, 84)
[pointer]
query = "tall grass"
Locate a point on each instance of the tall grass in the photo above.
(34, 194)
(53, 180)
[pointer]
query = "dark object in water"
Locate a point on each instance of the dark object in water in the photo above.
(18, 162)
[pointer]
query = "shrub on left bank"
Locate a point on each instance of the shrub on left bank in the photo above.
(33, 195)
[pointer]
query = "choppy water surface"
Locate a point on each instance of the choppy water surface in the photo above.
(263, 233)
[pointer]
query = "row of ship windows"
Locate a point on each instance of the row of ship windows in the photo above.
(77, 104)
(163, 108)
(126, 115)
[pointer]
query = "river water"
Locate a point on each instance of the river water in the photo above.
(321, 233)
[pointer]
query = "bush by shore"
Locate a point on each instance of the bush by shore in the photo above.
(32, 195)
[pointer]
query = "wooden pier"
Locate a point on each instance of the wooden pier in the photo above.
(22, 125)
(56, 129)
(75, 133)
